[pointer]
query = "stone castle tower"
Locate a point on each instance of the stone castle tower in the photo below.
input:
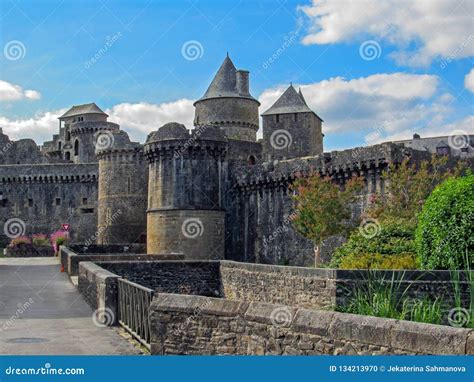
(185, 209)
(228, 104)
(291, 129)
(123, 189)
(79, 128)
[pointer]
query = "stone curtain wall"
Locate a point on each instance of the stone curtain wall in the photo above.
(195, 325)
(46, 195)
(305, 287)
(183, 277)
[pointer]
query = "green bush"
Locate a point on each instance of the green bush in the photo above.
(445, 232)
(393, 247)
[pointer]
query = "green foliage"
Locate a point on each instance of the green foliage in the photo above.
(21, 240)
(40, 239)
(445, 233)
(321, 207)
(410, 186)
(393, 247)
(386, 298)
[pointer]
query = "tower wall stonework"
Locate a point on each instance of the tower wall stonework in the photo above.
(237, 117)
(185, 210)
(123, 190)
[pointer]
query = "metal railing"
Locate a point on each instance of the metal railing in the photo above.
(133, 309)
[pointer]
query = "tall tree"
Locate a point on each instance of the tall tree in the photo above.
(321, 208)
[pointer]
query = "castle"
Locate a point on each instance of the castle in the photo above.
(212, 192)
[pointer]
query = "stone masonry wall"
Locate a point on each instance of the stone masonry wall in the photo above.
(183, 324)
(185, 277)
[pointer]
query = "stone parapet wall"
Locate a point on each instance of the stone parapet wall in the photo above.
(99, 288)
(29, 250)
(183, 324)
(308, 287)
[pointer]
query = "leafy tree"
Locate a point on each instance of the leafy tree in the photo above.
(445, 233)
(410, 185)
(321, 208)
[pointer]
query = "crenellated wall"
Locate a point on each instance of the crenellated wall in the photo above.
(260, 221)
(44, 196)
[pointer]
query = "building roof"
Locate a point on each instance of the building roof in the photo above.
(88, 108)
(224, 83)
(290, 101)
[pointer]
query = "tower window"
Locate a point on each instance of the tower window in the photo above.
(76, 148)
(4, 202)
(58, 201)
(68, 136)
(84, 200)
(296, 117)
(277, 117)
(60, 145)
(30, 202)
(68, 156)
(251, 161)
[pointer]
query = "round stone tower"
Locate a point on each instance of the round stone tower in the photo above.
(185, 195)
(123, 182)
(228, 104)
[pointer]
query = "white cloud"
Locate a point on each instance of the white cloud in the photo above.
(465, 125)
(40, 128)
(421, 29)
(139, 119)
(11, 92)
(384, 102)
(469, 81)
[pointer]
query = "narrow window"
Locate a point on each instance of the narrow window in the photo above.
(68, 156)
(4, 202)
(84, 200)
(278, 118)
(30, 202)
(76, 148)
(296, 117)
(129, 184)
(58, 201)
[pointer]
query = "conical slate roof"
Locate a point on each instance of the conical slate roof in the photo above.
(290, 102)
(88, 108)
(224, 83)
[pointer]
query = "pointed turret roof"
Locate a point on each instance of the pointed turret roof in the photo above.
(290, 101)
(224, 83)
(88, 108)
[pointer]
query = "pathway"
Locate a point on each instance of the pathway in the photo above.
(41, 312)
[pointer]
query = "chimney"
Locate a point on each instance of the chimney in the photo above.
(242, 78)
(416, 136)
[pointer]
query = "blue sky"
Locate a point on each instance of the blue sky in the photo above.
(416, 78)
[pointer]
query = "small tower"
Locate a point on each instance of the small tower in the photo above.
(79, 127)
(291, 129)
(185, 212)
(228, 104)
(123, 186)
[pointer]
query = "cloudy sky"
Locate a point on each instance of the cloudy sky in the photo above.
(374, 70)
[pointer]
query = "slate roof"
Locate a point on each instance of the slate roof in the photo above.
(224, 83)
(88, 108)
(290, 101)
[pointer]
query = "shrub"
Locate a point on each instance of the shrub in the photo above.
(19, 241)
(40, 239)
(445, 232)
(393, 247)
(58, 238)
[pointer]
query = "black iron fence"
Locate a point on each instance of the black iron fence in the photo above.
(134, 308)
